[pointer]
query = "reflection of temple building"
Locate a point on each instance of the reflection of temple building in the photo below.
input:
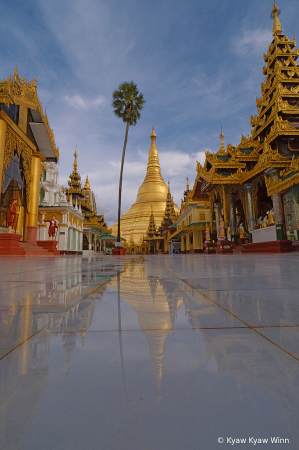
(156, 313)
(245, 355)
(51, 308)
(151, 194)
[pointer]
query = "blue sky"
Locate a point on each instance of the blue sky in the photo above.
(196, 62)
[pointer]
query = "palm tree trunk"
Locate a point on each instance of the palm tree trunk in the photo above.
(121, 181)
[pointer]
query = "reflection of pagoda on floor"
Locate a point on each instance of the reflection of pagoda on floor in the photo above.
(155, 313)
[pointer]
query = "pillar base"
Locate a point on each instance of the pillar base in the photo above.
(31, 235)
(280, 231)
(10, 244)
(234, 239)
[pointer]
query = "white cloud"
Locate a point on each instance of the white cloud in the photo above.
(130, 47)
(78, 102)
(200, 157)
(252, 42)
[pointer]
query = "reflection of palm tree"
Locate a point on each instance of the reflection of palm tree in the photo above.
(127, 104)
(120, 343)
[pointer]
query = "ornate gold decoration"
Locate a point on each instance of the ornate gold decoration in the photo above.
(13, 143)
(18, 91)
(294, 167)
(278, 186)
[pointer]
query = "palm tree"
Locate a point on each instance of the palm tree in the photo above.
(127, 104)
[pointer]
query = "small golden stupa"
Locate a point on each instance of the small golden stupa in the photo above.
(151, 194)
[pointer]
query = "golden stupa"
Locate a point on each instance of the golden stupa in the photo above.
(151, 194)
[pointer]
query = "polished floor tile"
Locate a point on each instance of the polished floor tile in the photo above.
(148, 353)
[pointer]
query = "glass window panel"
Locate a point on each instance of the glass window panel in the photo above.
(9, 169)
(6, 182)
(16, 158)
(15, 170)
(20, 176)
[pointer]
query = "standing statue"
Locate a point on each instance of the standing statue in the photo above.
(221, 229)
(229, 238)
(52, 228)
(208, 237)
(12, 211)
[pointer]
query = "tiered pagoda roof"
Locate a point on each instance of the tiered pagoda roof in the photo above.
(75, 189)
(275, 129)
(152, 230)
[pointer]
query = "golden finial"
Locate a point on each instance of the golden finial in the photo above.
(75, 161)
(276, 22)
(187, 185)
(87, 185)
(153, 135)
(221, 137)
(168, 186)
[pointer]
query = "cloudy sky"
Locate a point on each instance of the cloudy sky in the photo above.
(198, 63)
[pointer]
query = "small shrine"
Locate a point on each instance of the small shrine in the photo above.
(153, 238)
(56, 213)
(187, 233)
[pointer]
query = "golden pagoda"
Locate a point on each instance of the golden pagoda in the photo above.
(152, 193)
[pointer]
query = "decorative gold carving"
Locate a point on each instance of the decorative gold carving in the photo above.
(278, 186)
(18, 91)
(293, 167)
(15, 144)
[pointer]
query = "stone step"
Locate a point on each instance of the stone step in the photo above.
(34, 250)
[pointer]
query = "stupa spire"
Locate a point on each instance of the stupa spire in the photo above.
(153, 171)
(87, 185)
(276, 22)
(222, 141)
(75, 161)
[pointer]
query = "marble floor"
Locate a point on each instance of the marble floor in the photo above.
(149, 353)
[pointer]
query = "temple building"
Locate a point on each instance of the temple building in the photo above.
(253, 189)
(151, 194)
(26, 140)
(189, 228)
(83, 199)
(69, 218)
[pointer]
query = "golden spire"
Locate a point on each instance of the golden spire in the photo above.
(153, 171)
(187, 185)
(222, 141)
(168, 186)
(276, 22)
(75, 161)
(87, 186)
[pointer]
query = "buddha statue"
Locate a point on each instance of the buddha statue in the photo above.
(271, 217)
(242, 231)
(265, 221)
